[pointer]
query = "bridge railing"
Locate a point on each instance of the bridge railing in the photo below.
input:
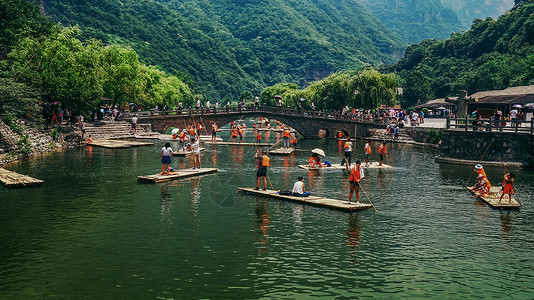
(466, 124)
(287, 111)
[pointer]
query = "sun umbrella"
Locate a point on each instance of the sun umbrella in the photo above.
(169, 130)
(441, 108)
(517, 106)
(529, 105)
(175, 131)
(392, 111)
(277, 96)
(318, 151)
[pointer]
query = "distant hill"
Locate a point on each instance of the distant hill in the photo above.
(415, 20)
(229, 46)
(468, 10)
(493, 54)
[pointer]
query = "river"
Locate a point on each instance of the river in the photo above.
(92, 231)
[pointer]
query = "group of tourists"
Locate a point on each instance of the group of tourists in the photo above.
(482, 187)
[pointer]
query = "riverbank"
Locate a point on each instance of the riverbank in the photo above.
(19, 140)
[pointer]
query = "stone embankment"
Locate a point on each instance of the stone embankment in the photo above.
(20, 141)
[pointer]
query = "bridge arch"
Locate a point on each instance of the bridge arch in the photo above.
(307, 125)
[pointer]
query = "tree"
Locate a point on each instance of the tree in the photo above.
(62, 67)
(369, 89)
(18, 99)
(280, 89)
(417, 89)
(121, 73)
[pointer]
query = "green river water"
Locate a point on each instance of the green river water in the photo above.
(93, 232)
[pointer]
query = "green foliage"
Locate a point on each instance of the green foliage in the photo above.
(19, 19)
(54, 133)
(493, 54)
(417, 20)
(286, 90)
(13, 123)
(433, 136)
(24, 145)
(223, 49)
(18, 99)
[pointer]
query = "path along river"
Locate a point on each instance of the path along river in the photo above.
(92, 231)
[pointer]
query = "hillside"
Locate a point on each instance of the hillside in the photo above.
(417, 20)
(230, 46)
(493, 54)
(468, 10)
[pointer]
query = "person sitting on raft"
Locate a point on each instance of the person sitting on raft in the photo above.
(314, 161)
(508, 186)
(482, 187)
(299, 189)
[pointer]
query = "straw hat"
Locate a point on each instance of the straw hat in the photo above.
(478, 167)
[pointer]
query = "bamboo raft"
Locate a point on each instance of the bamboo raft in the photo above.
(155, 178)
(118, 144)
(340, 167)
(185, 153)
(202, 138)
(493, 199)
(282, 151)
(13, 179)
(238, 144)
(310, 200)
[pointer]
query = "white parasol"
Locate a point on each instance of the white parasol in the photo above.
(318, 151)
(175, 131)
(517, 106)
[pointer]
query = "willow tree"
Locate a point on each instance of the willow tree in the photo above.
(159, 88)
(369, 89)
(330, 93)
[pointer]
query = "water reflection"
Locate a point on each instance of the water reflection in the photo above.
(506, 225)
(166, 203)
(195, 196)
(352, 239)
(264, 221)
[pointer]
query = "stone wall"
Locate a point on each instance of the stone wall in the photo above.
(506, 146)
(425, 135)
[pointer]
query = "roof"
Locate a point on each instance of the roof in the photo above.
(511, 95)
(434, 103)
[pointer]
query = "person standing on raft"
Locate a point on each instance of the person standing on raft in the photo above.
(263, 163)
(356, 175)
(382, 152)
(368, 151)
(348, 153)
(195, 147)
(508, 186)
(166, 153)
(286, 135)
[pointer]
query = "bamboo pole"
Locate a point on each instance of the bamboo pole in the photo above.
(368, 198)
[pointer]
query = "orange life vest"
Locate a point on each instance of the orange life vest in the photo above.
(192, 131)
(368, 149)
(90, 140)
(265, 161)
(258, 136)
(312, 161)
(346, 145)
(340, 134)
(481, 172)
(382, 149)
(355, 173)
(287, 133)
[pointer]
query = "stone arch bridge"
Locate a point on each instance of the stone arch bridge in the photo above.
(307, 123)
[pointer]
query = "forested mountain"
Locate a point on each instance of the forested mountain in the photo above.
(228, 46)
(468, 10)
(493, 54)
(415, 20)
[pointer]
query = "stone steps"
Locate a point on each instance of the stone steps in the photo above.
(111, 129)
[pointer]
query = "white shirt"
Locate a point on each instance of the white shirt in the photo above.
(513, 113)
(349, 148)
(208, 104)
(298, 188)
(195, 147)
(134, 120)
(166, 151)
